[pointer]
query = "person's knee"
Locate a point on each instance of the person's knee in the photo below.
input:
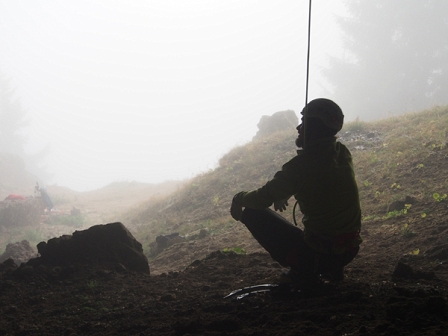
(250, 213)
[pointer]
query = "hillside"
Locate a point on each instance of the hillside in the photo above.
(108, 203)
(77, 210)
(400, 159)
(397, 285)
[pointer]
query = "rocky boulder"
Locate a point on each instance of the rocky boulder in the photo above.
(277, 122)
(20, 252)
(164, 241)
(107, 245)
(21, 212)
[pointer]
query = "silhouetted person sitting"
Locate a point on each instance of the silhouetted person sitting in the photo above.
(322, 180)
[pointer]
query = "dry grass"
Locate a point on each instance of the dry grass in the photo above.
(407, 157)
(409, 160)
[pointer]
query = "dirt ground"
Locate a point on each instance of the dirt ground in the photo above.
(398, 285)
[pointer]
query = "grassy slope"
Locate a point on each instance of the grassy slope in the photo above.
(411, 161)
(99, 206)
(107, 203)
(407, 158)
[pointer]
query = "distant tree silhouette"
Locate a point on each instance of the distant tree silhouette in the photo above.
(395, 57)
(12, 120)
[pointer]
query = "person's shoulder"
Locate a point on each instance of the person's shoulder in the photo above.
(343, 151)
(341, 146)
(296, 160)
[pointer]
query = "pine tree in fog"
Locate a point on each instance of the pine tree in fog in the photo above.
(395, 57)
(12, 121)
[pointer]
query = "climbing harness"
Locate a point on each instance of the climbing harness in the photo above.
(294, 213)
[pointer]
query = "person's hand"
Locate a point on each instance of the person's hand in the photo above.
(236, 211)
(281, 205)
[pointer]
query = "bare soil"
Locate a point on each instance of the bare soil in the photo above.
(396, 286)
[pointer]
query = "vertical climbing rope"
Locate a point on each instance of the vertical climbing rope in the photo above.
(308, 54)
(307, 71)
(306, 94)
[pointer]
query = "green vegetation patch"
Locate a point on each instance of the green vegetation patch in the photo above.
(393, 158)
(237, 250)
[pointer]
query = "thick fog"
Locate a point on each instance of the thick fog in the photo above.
(153, 90)
(157, 90)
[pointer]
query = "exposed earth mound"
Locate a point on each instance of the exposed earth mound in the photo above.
(20, 252)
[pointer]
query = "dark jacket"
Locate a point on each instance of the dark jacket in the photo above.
(322, 180)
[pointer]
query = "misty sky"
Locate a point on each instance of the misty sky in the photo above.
(156, 90)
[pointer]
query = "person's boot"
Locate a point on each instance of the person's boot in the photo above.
(288, 277)
(336, 274)
(296, 278)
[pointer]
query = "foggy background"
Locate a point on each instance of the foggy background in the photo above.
(151, 91)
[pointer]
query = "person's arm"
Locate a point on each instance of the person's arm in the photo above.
(281, 205)
(277, 191)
